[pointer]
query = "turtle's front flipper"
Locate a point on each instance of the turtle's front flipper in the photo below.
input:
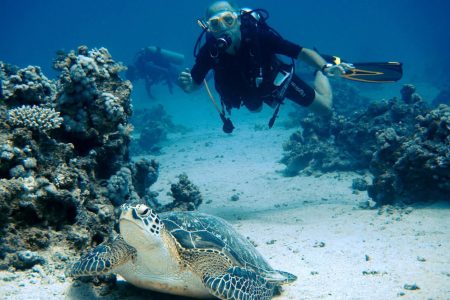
(102, 259)
(239, 284)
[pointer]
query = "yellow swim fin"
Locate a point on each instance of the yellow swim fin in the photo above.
(376, 72)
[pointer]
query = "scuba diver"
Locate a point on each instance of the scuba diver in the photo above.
(155, 65)
(242, 50)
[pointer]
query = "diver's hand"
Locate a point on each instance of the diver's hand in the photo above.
(336, 70)
(186, 82)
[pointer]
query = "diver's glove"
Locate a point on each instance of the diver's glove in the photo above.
(186, 82)
(332, 70)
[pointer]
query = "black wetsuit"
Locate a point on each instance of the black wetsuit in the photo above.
(235, 75)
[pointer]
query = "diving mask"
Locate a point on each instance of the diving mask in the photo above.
(221, 21)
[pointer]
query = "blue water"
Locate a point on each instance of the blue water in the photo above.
(415, 32)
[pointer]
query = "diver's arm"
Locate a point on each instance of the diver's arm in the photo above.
(312, 58)
(186, 82)
(191, 81)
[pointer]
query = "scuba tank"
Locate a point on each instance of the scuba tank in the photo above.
(171, 56)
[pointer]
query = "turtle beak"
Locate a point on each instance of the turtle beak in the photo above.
(127, 213)
(125, 207)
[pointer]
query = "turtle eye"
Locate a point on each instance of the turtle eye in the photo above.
(143, 210)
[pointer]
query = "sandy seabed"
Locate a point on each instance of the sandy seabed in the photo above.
(311, 226)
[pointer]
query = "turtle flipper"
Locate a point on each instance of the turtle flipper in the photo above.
(102, 259)
(239, 284)
(278, 277)
(288, 277)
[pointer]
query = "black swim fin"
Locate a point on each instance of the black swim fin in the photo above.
(377, 72)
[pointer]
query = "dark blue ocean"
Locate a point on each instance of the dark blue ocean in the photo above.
(415, 32)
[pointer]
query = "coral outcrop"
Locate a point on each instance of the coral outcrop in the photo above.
(34, 117)
(96, 106)
(402, 142)
(186, 195)
(50, 178)
(414, 167)
(152, 125)
(64, 158)
(26, 86)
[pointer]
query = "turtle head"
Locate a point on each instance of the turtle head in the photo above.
(140, 226)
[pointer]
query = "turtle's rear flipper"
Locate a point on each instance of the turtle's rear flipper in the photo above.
(239, 284)
(102, 259)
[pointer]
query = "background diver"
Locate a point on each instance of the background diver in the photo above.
(155, 65)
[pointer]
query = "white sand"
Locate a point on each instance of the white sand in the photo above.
(309, 226)
(290, 217)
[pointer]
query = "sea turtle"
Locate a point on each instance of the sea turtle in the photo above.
(183, 253)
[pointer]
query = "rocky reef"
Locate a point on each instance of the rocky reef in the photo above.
(60, 140)
(96, 106)
(64, 159)
(152, 125)
(416, 166)
(401, 141)
(186, 195)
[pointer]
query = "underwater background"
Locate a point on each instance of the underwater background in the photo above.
(415, 32)
(366, 189)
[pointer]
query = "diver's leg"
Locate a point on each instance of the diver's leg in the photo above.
(323, 99)
(303, 94)
(169, 84)
(148, 87)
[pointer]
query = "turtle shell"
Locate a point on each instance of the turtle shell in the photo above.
(194, 230)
